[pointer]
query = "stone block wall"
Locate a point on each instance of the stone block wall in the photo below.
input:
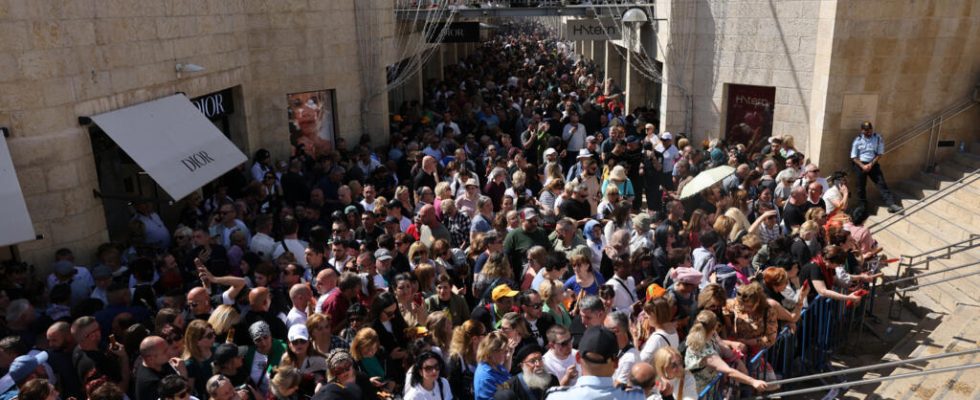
(917, 58)
(63, 59)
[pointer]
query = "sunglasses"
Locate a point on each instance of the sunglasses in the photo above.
(298, 341)
(567, 342)
(430, 368)
(535, 305)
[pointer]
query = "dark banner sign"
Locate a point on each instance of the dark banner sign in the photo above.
(214, 105)
(749, 115)
(456, 32)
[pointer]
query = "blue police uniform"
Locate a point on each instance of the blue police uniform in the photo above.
(594, 387)
(865, 149)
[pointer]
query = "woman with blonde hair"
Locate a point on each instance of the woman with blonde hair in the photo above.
(462, 357)
(404, 195)
(754, 322)
(364, 349)
(674, 379)
(536, 256)
(418, 253)
(659, 322)
(198, 348)
(703, 358)
(223, 319)
(806, 244)
(518, 189)
(495, 271)
(285, 384)
(740, 224)
(553, 295)
(494, 355)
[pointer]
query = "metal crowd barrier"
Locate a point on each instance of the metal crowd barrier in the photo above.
(825, 326)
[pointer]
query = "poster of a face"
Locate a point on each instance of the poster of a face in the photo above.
(312, 121)
(749, 116)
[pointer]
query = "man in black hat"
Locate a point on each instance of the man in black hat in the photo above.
(597, 356)
(866, 151)
(531, 380)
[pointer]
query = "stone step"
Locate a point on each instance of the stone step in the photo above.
(956, 332)
(968, 159)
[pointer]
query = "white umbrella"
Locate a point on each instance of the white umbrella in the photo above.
(706, 179)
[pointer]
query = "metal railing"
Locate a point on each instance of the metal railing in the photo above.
(943, 253)
(824, 327)
(918, 205)
(933, 124)
(849, 384)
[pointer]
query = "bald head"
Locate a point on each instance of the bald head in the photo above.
(300, 295)
(153, 350)
(197, 299)
(429, 164)
(59, 336)
(326, 280)
(428, 215)
(642, 376)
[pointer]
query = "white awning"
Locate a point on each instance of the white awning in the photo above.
(16, 225)
(173, 142)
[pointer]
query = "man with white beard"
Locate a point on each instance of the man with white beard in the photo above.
(531, 379)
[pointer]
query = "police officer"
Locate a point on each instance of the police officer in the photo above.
(597, 356)
(866, 150)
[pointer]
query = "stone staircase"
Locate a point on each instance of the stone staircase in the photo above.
(946, 316)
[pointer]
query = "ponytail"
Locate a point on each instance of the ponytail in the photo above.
(704, 325)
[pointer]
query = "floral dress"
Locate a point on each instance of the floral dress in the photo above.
(695, 362)
(748, 326)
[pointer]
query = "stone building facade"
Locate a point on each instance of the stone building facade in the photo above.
(830, 63)
(60, 60)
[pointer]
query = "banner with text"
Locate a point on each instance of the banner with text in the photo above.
(173, 142)
(456, 32)
(593, 29)
(749, 115)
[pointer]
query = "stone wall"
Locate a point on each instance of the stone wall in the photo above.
(763, 43)
(63, 59)
(917, 58)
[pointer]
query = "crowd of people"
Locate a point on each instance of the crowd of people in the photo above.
(521, 236)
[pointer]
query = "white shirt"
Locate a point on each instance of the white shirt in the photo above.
(626, 361)
(368, 206)
(670, 157)
(263, 245)
(441, 128)
(295, 317)
(656, 341)
(295, 246)
(440, 391)
(625, 293)
(830, 196)
(260, 363)
(379, 283)
(558, 367)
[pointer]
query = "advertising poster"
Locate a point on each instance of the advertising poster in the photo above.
(312, 121)
(749, 116)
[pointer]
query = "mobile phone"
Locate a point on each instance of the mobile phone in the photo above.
(806, 285)
(418, 298)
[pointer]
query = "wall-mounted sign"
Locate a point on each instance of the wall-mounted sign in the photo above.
(456, 32)
(312, 121)
(857, 108)
(214, 105)
(749, 115)
(593, 29)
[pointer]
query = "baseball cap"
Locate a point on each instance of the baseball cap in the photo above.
(598, 345)
(63, 267)
(382, 254)
(590, 138)
(529, 213)
(550, 151)
(227, 352)
(866, 125)
(502, 291)
(25, 365)
(350, 210)
(666, 136)
(298, 331)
